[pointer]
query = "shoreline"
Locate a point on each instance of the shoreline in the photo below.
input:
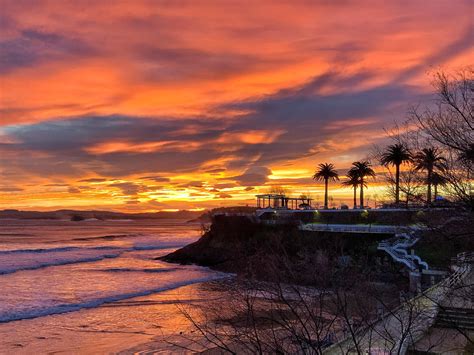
(104, 306)
(98, 303)
(160, 308)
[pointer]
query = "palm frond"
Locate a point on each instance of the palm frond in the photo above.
(326, 171)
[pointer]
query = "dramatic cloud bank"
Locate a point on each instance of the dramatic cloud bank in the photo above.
(143, 105)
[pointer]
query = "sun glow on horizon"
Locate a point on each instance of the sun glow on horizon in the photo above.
(181, 106)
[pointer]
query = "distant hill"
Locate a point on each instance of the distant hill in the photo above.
(101, 215)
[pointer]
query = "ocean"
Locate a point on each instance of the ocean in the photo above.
(95, 286)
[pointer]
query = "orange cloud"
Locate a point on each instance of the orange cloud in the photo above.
(131, 147)
(250, 137)
(221, 93)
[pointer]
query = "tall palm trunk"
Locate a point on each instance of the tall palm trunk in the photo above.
(355, 196)
(435, 191)
(397, 184)
(428, 195)
(361, 192)
(326, 193)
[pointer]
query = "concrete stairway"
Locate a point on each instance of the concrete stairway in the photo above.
(397, 247)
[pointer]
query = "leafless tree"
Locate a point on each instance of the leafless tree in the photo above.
(445, 123)
(278, 190)
(449, 123)
(450, 119)
(275, 317)
(411, 185)
(352, 315)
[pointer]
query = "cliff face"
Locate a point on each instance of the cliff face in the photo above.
(235, 244)
(229, 244)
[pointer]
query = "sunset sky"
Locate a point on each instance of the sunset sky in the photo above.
(153, 105)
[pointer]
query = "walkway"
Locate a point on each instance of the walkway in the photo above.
(397, 247)
(405, 325)
(355, 228)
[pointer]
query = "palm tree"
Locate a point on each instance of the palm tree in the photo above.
(429, 159)
(324, 173)
(362, 169)
(396, 155)
(354, 182)
(438, 180)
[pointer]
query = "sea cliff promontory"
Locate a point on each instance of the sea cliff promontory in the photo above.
(239, 245)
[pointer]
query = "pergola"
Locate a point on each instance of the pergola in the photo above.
(281, 201)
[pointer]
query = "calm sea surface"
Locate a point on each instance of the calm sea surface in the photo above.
(94, 286)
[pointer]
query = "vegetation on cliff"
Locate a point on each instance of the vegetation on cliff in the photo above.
(238, 245)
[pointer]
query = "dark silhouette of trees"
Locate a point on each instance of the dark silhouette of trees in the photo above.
(396, 155)
(326, 172)
(339, 311)
(437, 179)
(362, 169)
(449, 125)
(354, 182)
(429, 159)
(411, 185)
(450, 122)
(278, 190)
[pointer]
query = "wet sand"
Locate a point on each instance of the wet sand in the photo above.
(153, 323)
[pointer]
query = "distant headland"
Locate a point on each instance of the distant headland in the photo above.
(78, 215)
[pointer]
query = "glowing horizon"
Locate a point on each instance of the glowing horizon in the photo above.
(149, 105)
